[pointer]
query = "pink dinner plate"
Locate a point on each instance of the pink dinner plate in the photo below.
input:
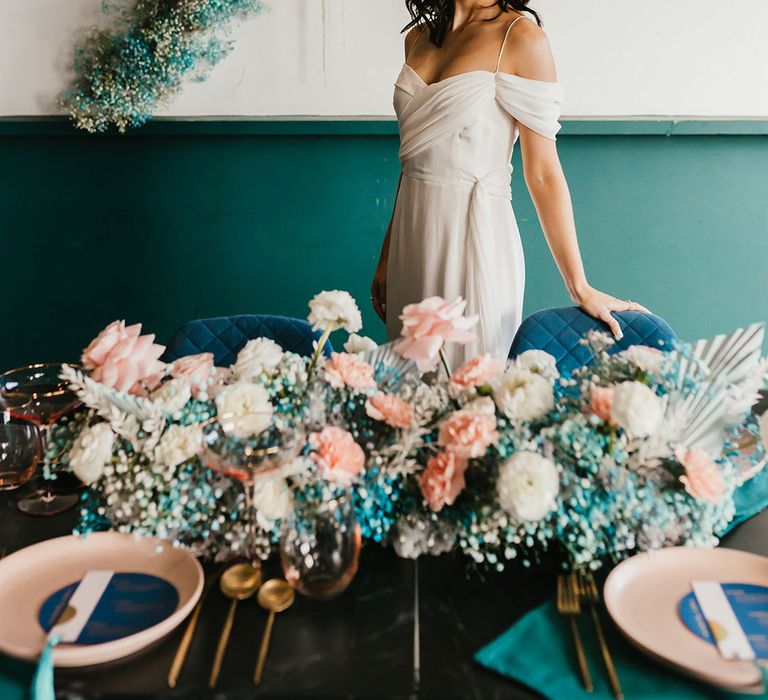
(28, 577)
(642, 596)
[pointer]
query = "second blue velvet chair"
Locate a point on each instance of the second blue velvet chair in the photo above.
(558, 332)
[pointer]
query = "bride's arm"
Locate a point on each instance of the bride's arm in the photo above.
(379, 283)
(531, 57)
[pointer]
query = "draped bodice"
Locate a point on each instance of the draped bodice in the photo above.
(464, 127)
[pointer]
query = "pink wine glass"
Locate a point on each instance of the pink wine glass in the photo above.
(37, 394)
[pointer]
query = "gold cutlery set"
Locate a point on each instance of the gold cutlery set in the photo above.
(238, 582)
(575, 591)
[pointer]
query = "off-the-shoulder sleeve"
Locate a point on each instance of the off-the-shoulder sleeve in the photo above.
(534, 103)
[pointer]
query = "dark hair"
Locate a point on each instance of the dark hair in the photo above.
(438, 15)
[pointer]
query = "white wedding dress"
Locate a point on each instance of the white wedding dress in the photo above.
(453, 230)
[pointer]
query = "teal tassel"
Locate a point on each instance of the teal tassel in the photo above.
(42, 683)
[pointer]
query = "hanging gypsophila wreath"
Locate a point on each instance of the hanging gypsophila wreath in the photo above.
(123, 74)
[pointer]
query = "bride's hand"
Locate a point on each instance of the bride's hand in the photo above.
(599, 305)
(379, 291)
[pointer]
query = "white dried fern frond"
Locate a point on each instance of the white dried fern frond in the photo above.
(725, 368)
(385, 355)
(127, 415)
(399, 456)
(103, 398)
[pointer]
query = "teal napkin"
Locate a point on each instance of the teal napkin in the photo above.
(15, 678)
(538, 652)
(750, 498)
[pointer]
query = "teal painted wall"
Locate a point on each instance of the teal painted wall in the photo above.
(177, 223)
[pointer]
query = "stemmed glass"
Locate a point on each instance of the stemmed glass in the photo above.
(20, 451)
(37, 394)
(245, 459)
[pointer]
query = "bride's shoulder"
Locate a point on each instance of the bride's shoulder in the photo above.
(527, 52)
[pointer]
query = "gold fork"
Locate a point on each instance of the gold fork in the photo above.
(588, 591)
(568, 606)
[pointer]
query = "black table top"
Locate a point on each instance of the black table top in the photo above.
(359, 645)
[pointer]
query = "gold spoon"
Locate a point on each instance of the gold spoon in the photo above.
(238, 582)
(275, 595)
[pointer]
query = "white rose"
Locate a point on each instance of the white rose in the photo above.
(91, 451)
(539, 362)
(523, 395)
(636, 409)
(178, 444)
(483, 405)
(645, 358)
(244, 408)
(359, 343)
(527, 486)
(257, 356)
(764, 429)
(334, 310)
(272, 497)
(173, 394)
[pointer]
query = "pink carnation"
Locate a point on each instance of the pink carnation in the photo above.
(197, 370)
(391, 409)
(337, 454)
(476, 372)
(601, 403)
(702, 478)
(428, 325)
(345, 369)
(468, 433)
(122, 358)
(443, 480)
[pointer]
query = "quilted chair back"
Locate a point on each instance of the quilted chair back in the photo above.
(558, 332)
(226, 335)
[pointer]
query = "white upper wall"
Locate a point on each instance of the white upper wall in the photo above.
(616, 58)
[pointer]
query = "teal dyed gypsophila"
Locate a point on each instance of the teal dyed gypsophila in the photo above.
(124, 74)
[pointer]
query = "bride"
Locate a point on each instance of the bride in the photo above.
(475, 78)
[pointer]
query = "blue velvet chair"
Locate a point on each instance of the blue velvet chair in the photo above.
(558, 332)
(226, 335)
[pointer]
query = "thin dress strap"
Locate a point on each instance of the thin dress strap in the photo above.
(504, 43)
(413, 45)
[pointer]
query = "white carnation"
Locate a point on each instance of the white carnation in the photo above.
(359, 343)
(173, 394)
(272, 497)
(527, 486)
(178, 444)
(258, 356)
(745, 392)
(483, 405)
(334, 310)
(244, 409)
(645, 358)
(523, 395)
(637, 409)
(91, 451)
(539, 362)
